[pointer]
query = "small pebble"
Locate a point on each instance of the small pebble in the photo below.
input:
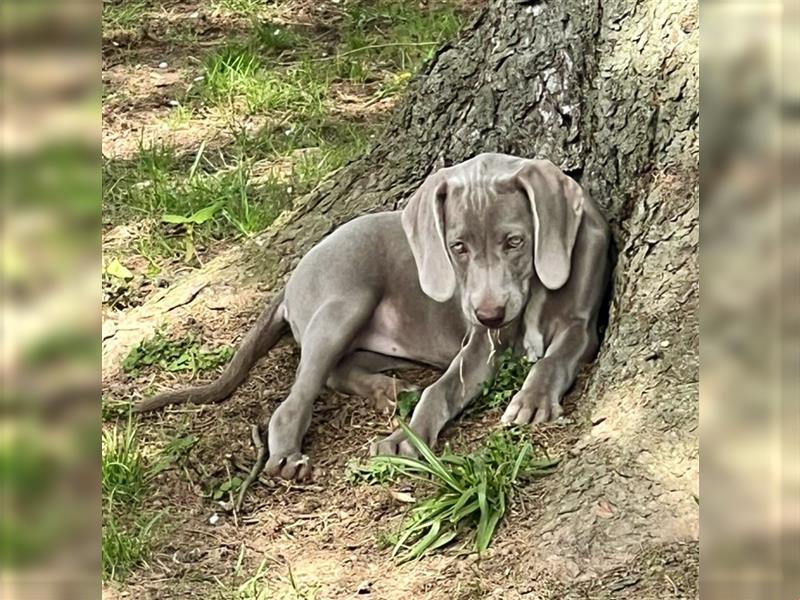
(162, 65)
(665, 344)
(174, 103)
(365, 587)
(212, 520)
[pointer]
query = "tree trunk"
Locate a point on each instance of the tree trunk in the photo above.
(608, 91)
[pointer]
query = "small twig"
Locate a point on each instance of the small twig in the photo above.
(258, 467)
(672, 583)
(235, 508)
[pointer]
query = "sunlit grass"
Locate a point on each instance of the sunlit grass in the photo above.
(127, 530)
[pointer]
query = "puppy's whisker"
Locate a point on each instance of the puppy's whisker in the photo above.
(461, 377)
(491, 343)
(461, 365)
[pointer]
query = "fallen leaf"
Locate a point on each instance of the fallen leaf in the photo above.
(404, 497)
(118, 270)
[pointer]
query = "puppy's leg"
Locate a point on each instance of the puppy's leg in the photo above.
(360, 374)
(539, 400)
(329, 332)
(446, 398)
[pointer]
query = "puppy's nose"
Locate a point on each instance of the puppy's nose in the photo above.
(491, 316)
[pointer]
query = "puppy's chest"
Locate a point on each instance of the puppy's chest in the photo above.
(534, 330)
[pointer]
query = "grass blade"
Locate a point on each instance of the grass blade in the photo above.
(484, 535)
(518, 463)
(424, 543)
(465, 511)
(427, 454)
(465, 497)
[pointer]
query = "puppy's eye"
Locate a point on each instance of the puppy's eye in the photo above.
(458, 248)
(514, 241)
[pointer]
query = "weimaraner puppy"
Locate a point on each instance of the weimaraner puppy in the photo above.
(495, 252)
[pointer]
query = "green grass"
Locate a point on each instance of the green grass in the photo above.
(254, 587)
(372, 472)
(158, 183)
(175, 355)
(508, 379)
(235, 76)
(274, 37)
(124, 470)
(243, 8)
(471, 492)
(278, 73)
(179, 117)
(127, 531)
(395, 35)
(123, 16)
(125, 545)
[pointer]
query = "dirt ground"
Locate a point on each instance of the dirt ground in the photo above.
(321, 539)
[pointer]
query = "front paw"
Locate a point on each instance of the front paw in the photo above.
(294, 467)
(531, 406)
(398, 445)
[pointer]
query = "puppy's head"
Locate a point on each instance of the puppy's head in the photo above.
(482, 227)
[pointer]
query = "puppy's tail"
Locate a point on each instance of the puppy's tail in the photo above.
(268, 329)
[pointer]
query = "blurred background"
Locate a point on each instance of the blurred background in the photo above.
(750, 406)
(750, 409)
(50, 440)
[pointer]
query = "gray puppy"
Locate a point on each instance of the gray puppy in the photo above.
(495, 252)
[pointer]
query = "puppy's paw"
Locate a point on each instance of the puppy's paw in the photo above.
(528, 406)
(295, 467)
(394, 445)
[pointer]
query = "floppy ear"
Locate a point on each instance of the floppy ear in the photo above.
(557, 207)
(423, 223)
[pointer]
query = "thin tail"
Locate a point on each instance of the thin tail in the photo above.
(266, 332)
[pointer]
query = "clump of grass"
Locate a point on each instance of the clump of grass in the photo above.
(372, 472)
(508, 379)
(122, 16)
(125, 545)
(471, 491)
(124, 472)
(175, 453)
(195, 201)
(406, 402)
(229, 71)
(127, 531)
(299, 91)
(254, 587)
(179, 117)
(273, 37)
(413, 34)
(245, 8)
(175, 355)
(236, 75)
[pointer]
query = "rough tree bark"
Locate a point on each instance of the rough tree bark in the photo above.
(609, 91)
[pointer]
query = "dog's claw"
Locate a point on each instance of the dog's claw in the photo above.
(397, 445)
